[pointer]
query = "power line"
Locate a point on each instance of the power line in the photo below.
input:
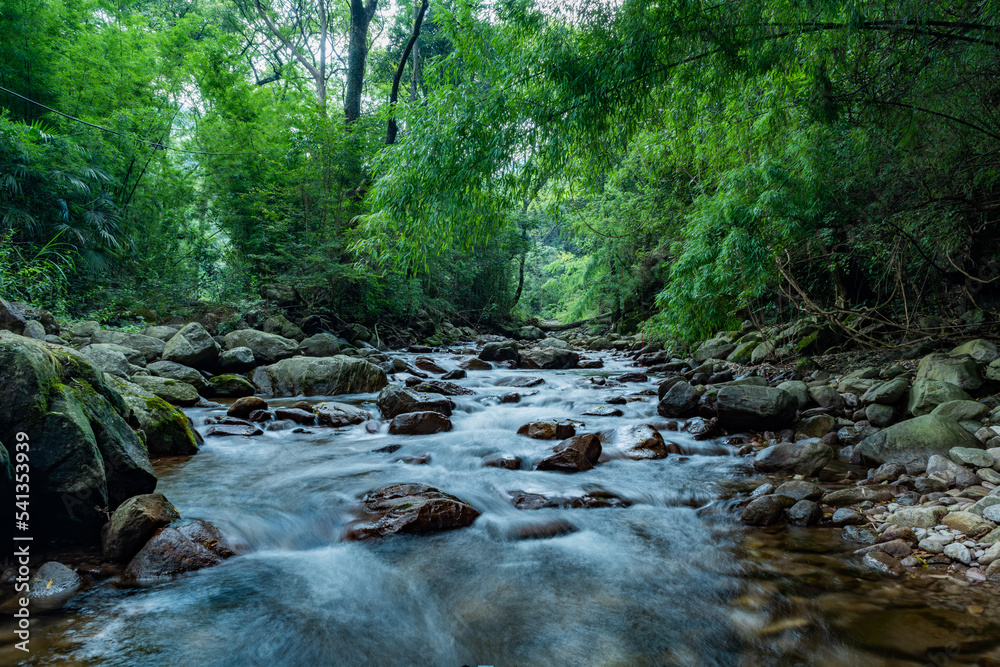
(154, 144)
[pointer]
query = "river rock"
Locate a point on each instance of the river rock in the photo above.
(982, 351)
(149, 347)
(84, 456)
(267, 348)
(242, 407)
(395, 400)
(319, 375)
(413, 509)
(928, 394)
(298, 415)
(505, 351)
(457, 374)
(914, 441)
(175, 550)
(230, 386)
(550, 429)
(847, 516)
(827, 397)
(11, 318)
(443, 388)
(503, 462)
(166, 430)
(337, 415)
(427, 364)
(636, 441)
(174, 371)
(959, 552)
(887, 393)
(236, 360)
(754, 408)
(816, 426)
(961, 372)
(968, 456)
(805, 513)
(805, 457)
(192, 346)
(962, 410)
(917, 517)
(680, 400)
(247, 430)
(950, 472)
(53, 582)
(715, 348)
(798, 390)
(853, 495)
(171, 391)
(576, 454)
(107, 359)
(320, 345)
(163, 333)
(419, 423)
(133, 523)
(800, 490)
(522, 381)
(475, 365)
(766, 511)
(968, 523)
(883, 563)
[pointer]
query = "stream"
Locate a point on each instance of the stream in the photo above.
(673, 579)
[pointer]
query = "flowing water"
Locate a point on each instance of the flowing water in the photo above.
(671, 580)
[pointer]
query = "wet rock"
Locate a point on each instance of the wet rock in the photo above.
(603, 411)
(542, 530)
(800, 490)
(174, 550)
(394, 400)
(860, 534)
(174, 371)
(222, 430)
(805, 513)
(230, 386)
(680, 400)
(857, 494)
(133, 524)
(167, 431)
(54, 581)
(847, 516)
(896, 533)
(410, 509)
(551, 429)
(968, 523)
(504, 462)
(512, 397)
(816, 426)
(505, 351)
(319, 376)
(427, 364)
(456, 374)
(992, 554)
(805, 457)
(632, 377)
(242, 408)
(914, 441)
(766, 511)
(576, 454)
(337, 415)
(636, 441)
(701, 428)
(443, 388)
(895, 548)
(764, 489)
(882, 563)
(475, 365)
(419, 423)
(592, 499)
(754, 408)
(388, 449)
(296, 415)
(522, 381)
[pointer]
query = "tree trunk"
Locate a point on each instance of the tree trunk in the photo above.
(357, 53)
(390, 134)
(416, 55)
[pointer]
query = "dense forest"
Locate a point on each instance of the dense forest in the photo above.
(682, 166)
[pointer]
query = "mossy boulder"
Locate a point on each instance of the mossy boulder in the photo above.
(85, 458)
(983, 351)
(915, 441)
(167, 430)
(150, 347)
(231, 386)
(961, 372)
(311, 376)
(925, 395)
(172, 391)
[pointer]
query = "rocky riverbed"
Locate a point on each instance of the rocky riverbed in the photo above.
(522, 502)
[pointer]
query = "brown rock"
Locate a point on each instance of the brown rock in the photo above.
(576, 454)
(550, 429)
(505, 462)
(419, 423)
(172, 551)
(414, 509)
(234, 429)
(476, 365)
(244, 406)
(427, 364)
(637, 441)
(297, 415)
(340, 414)
(133, 523)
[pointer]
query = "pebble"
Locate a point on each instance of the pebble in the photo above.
(935, 543)
(958, 552)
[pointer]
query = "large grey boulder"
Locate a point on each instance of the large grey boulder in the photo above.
(962, 410)
(163, 333)
(171, 391)
(174, 371)
(395, 400)
(887, 393)
(107, 359)
(192, 346)
(754, 408)
(236, 360)
(133, 523)
(928, 394)
(961, 372)
(267, 348)
(679, 401)
(913, 441)
(982, 351)
(320, 345)
(549, 357)
(150, 347)
(319, 376)
(85, 459)
(714, 348)
(805, 457)
(11, 318)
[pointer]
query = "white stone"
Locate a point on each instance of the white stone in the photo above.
(958, 552)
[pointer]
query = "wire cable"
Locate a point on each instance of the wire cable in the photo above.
(154, 144)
